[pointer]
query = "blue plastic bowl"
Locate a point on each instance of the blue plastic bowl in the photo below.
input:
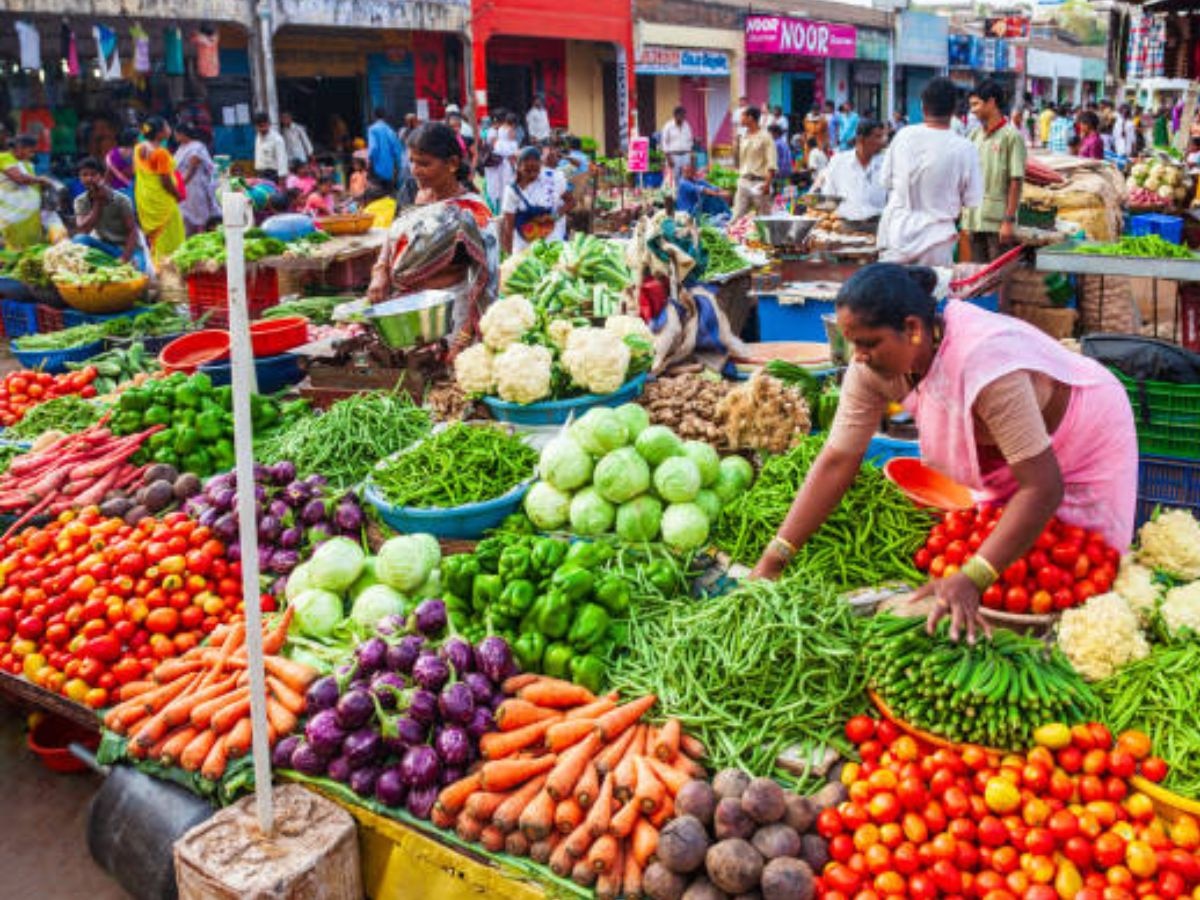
(56, 360)
(883, 448)
(274, 372)
(556, 412)
(463, 522)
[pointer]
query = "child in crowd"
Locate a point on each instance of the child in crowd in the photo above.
(322, 201)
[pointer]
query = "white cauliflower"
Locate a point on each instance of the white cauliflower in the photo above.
(506, 321)
(522, 373)
(1101, 636)
(624, 326)
(474, 371)
(597, 360)
(559, 331)
(1136, 584)
(1171, 543)
(1181, 609)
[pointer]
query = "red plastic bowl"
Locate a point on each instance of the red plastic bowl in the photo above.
(48, 740)
(925, 486)
(270, 337)
(188, 353)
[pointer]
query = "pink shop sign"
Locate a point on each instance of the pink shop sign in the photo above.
(799, 37)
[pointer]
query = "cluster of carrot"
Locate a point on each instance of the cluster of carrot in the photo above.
(194, 711)
(575, 781)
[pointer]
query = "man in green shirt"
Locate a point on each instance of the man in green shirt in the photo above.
(992, 224)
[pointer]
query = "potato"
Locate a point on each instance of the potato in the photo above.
(787, 879)
(682, 845)
(731, 821)
(660, 883)
(776, 840)
(764, 801)
(734, 865)
(696, 798)
(814, 851)
(830, 795)
(800, 814)
(703, 889)
(730, 783)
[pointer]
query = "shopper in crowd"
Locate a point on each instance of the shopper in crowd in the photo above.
(1045, 123)
(1062, 128)
(411, 122)
(1161, 129)
(323, 200)
(756, 170)
(1091, 145)
(504, 147)
(816, 159)
(118, 162)
(535, 204)
(897, 122)
(158, 190)
(1000, 408)
(537, 120)
(677, 143)
(931, 175)
(104, 218)
(21, 195)
(464, 127)
(856, 175)
(465, 142)
(778, 118)
(848, 127)
(384, 151)
(270, 152)
(1124, 132)
(832, 124)
(992, 223)
(1020, 121)
(295, 139)
(378, 203)
(816, 126)
(1193, 154)
(197, 171)
(358, 173)
(697, 197)
(783, 158)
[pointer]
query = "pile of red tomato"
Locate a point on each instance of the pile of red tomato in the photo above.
(1061, 821)
(24, 389)
(1066, 566)
(88, 603)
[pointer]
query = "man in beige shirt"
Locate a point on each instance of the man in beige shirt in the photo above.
(757, 167)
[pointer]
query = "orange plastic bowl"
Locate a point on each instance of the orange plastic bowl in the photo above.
(926, 487)
(270, 337)
(49, 738)
(188, 353)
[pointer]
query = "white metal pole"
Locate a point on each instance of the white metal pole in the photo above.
(237, 218)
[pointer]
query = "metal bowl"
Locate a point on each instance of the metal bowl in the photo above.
(784, 231)
(822, 202)
(413, 319)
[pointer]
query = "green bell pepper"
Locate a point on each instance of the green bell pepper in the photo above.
(588, 554)
(573, 581)
(588, 671)
(186, 440)
(197, 461)
(589, 627)
(223, 397)
(547, 555)
(516, 599)
(556, 662)
(528, 651)
(612, 592)
(456, 604)
(514, 562)
(210, 424)
(487, 552)
(458, 574)
(157, 415)
(485, 591)
(663, 575)
(549, 615)
(187, 395)
(135, 400)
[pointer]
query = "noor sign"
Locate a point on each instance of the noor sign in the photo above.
(799, 37)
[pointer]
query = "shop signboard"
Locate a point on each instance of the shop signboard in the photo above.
(639, 154)
(444, 15)
(653, 60)
(1007, 27)
(921, 40)
(800, 37)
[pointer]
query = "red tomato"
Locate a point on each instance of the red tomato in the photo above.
(948, 878)
(993, 597)
(1154, 768)
(1108, 850)
(1083, 590)
(1016, 573)
(922, 887)
(163, 620)
(922, 558)
(860, 729)
(829, 823)
(1016, 600)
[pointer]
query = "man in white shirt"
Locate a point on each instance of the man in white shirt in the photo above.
(270, 152)
(537, 120)
(1124, 132)
(466, 130)
(295, 139)
(768, 117)
(931, 175)
(855, 175)
(677, 143)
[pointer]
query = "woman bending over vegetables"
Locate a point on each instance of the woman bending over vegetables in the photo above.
(1001, 408)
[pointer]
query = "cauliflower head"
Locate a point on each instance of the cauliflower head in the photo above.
(624, 326)
(474, 370)
(1171, 542)
(523, 373)
(1181, 608)
(1101, 636)
(506, 320)
(1136, 584)
(597, 360)
(559, 330)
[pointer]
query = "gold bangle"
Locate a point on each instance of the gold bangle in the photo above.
(784, 548)
(980, 573)
(991, 570)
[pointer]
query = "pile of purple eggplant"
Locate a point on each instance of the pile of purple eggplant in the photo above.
(294, 514)
(405, 718)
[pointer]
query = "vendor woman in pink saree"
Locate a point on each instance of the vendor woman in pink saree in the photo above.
(1000, 407)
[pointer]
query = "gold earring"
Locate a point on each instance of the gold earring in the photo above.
(915, 339)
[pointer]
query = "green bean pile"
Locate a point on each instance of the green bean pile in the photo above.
(869, 539)
(1160, 695)
(765, 667)
(723, 257)
(463, 464)
(347, 440)
(1152, 246)
(9, 452)
(67, 414)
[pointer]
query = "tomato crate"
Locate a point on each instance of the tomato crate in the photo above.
(1169, 483)
(1167, 417)
(50, 318)
(208, 293)
(19, 318)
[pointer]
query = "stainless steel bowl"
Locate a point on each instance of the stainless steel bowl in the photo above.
(783, 231)
(413, 319)
(822, 202)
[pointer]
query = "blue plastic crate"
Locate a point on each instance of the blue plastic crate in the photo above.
(556, 412)
(19, 318)
(883, 448)
(1169, 483)
(56, 360)
(792, 321)
(73, 317)
(1169, 228)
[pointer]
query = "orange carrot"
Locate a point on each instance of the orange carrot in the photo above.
(499, 744)
(691, 746)
(608, 885)
(644, 843)
(227, 716)
(600, 814)
(180, 709)
(156, 749)
(296, 676)
(216, 760)
(202, 713)
(570, 766)
(650, 792)
(169, 753)
(454, 796)
(482, 804)
(537, 819)
(468, 828)
(171, 669)
(135, 689)
(492, 839)
(588, 786)
(613, 723)
(568, 815)
(514, 683)
(274, 639)
(237, 741)
(688, 767)
(665, 812)
(149, 731)
(556, 694)
(625, 775)
(607, 759)
(603, 853)
(197, 750)
(624, 820)
(505, 774)
(576, 844)
(540, 851)
(124, 715)
(291, 700)
(230, 645)
(281, 720)
(666, 745)
(673, 779)
(516, 844)
(583, 874)
(592, 710)
(561, 860)
(440, 818)
(631, 885)
(508, 813)
(515, 713)
(568, 733)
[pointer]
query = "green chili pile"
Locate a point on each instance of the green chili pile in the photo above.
(68, 414)
(1152, 246)
(723, 257)
(463, 464)
(869, 539)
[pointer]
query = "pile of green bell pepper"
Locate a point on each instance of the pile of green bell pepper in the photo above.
(198, 420)
(551, 600)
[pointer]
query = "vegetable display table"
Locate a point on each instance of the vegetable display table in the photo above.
(27, 693)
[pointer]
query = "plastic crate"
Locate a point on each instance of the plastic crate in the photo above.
(1167, 417)
(1173, 483)
(56, 360)
(1169, 228)
(49, 318)
(208, 293)
(792, 321)
(272, 373)
(19, 318)
(73, 317)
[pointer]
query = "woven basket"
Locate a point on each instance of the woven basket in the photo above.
(346, 224)
(98, 299)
